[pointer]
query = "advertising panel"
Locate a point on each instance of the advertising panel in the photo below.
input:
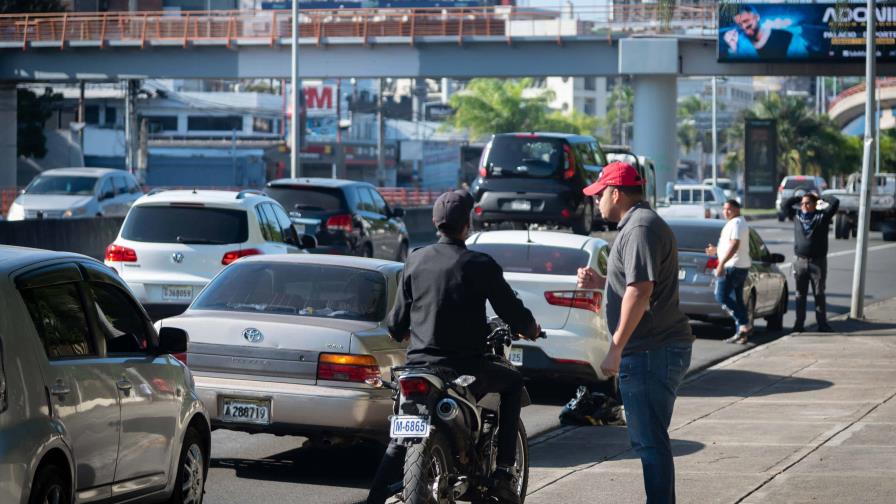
(760, 163)
(802, 32)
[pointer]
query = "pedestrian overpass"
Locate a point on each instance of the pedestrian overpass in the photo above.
(650, 44)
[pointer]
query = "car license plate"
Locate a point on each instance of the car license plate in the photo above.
(521, 205)
(409, 426)
(246, 411)
(177, 292)
(516, 356)
(682, 273)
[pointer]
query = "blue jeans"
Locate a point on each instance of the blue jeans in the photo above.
(730, 294)
(648, 382)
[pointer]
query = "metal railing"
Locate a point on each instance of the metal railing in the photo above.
(274, 27)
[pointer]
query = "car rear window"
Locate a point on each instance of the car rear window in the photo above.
(537, 259)
(695, 238)
(185, 224)
(309, 290)
(533, 157)
(797, 183)
(310, 200)
(58, 184)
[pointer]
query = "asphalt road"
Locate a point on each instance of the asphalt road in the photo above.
(268, 469)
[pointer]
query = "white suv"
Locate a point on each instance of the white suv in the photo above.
(173, 242)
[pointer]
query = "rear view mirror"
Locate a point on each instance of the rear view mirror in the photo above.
(307, 241)
(172, 340)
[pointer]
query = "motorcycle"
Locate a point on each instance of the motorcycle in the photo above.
(449, 434)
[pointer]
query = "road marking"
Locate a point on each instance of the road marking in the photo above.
(847, 252)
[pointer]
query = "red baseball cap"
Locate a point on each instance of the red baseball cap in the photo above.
(617, 174)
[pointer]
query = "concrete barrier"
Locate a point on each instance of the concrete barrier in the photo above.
(83, 236)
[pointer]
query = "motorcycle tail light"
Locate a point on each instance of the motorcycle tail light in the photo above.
(410, 386)
(346, 367)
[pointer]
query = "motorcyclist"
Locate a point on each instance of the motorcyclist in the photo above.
(440, 305)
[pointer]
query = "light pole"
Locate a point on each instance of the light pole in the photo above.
(857, 306)
(715, 137)
(295, 163)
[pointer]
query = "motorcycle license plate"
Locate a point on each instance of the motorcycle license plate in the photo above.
(409, 426)
(515, 356)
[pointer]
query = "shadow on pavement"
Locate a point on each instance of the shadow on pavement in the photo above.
(743, 383)
(860, 327)
(352, 466)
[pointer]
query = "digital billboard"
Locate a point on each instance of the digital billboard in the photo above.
(778, 32)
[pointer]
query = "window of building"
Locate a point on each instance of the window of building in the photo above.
(590, 107)
(92, 114)
(262, 125)
(157, 124)
(214, 123)
(111, 113)
(590, 83)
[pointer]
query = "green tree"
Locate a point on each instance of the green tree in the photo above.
(25, 6)
(489, 106)
(33, 111)
(688, 134)
(620, 111)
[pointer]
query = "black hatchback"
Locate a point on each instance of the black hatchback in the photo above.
(347, 217)
(537, 178)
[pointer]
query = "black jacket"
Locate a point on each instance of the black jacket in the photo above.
(815, 244)
(441, 301)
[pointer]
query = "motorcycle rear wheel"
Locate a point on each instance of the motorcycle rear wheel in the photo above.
(427, 467)
(521, 467)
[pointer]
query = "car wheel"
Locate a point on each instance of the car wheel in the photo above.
(751, 308)
(775, 322)
(582, 225)
(888, 230)
(838, 227)
(402, 252)
(50, 487)
(189, 483)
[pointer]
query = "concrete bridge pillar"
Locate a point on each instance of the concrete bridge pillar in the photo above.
(8, 122)
(654, 67)
(655, 129)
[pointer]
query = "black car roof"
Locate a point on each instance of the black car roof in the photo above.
(314, 181)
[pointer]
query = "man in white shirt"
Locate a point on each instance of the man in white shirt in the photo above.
(733, 252)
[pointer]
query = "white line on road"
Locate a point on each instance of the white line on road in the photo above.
(847, 252)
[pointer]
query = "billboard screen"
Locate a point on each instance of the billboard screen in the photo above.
(802, 32)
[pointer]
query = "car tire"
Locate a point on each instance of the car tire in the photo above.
(582, 225)
(402, 252)
(839, 225)
(192, 470)
(775, 321)
(50, 486)
(888, 230)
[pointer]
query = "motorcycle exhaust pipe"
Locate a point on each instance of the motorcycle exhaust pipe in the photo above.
(447, 409)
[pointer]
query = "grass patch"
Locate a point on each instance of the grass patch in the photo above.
(757, 211)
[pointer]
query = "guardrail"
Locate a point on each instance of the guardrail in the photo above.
(187, 28)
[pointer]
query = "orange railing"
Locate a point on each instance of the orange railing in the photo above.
(272, 27)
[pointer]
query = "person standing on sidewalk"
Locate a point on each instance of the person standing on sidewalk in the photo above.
(733, 253)
(652, 339)
(810, 245)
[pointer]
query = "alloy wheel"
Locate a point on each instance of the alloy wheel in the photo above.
(193, 475)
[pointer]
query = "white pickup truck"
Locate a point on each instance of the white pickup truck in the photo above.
(883, 206)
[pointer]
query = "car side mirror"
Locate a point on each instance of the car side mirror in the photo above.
(307, 241)
(172, 340)
(398, 212)
(776, 258)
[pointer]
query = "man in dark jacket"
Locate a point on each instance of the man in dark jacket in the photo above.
(440, 304)
(810, 245)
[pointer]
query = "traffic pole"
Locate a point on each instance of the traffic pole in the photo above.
(857, 308)
(295, 163)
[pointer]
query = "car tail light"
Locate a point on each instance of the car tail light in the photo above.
(349, 368)
(233, 255)
(117, 253)
(483, 165)
(478, 210)
(586, 300)
(572, 361)
(413, 385)
(711, 264)
(565, 213)
(570, 170)
(340, 223)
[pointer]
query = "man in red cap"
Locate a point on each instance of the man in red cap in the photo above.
(651, 347)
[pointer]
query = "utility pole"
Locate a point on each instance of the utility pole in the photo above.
(130, 126)
(857, 307)
(380, 136)
(82, 112)
(715, 137)
(295, 162)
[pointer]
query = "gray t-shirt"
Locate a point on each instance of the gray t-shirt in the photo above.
(645, 250)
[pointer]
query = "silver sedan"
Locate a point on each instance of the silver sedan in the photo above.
(295, 344)
(765, 291)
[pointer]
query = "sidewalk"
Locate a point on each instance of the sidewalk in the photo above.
(806, 418)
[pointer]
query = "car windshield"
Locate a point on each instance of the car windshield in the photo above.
(532, 258)
(695, 238)
(308, 290)
(185, 224)
(61, 184)
(308, 199)
(533, 157)
(799, 183)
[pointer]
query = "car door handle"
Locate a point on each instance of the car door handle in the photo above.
(60, 389)
(124, 385)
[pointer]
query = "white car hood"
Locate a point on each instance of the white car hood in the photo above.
(52, 201)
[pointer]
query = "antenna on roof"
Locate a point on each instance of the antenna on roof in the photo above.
(528, 238)
(194, 191)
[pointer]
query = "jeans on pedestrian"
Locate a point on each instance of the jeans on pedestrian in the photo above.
(648, 382)
(811, 272)
(730, 294)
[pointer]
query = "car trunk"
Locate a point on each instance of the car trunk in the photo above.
(531, 288)
(177, 260)
(692, 268)
(286, 348)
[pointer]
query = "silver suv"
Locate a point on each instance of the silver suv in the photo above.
(93, 405)
(794, 185)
